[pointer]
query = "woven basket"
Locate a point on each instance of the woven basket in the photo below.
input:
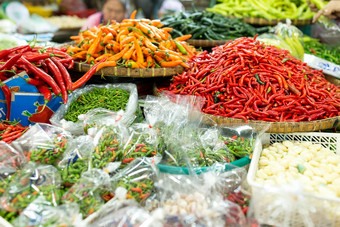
(127, 72)
(206, 43)
(274, 127)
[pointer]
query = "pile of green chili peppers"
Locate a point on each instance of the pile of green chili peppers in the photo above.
(313, 46)
(208, 25)
(111, 99)
(49, 153)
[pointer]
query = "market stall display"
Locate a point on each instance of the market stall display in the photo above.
(10, 131)
(324, 51)
(65, 22)
(135, 44)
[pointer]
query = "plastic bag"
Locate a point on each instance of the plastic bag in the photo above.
(109, 147)
(11, 160)
(275, 40)
(120, 213)
(292, 36)
(90, 192)
(43, 143)
(32, 181)
(76, 159)
(137, 178)
(41, 213)
(77, 127)
(183, 201)
(99, 117)
(327, 31)
(142, 142)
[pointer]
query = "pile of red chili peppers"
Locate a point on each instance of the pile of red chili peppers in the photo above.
(246, 79)
(10, 131)
(47, 70)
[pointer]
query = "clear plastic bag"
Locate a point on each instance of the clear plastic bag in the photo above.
(90, 192)
(32, 181)
(121, 213)
(76, 159)
(137, 178)
(43, 143)
(109, 147)
(142, 142)
(11, 160)
(41, 213)
(185, 200)
(77, 127)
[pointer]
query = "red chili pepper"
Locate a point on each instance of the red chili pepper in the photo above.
(59, 78)
(8, 65)
(66, 76)
(127, 160)
(139, 190)
(44, 76)
(43, 89)
(6, 52)
(7, 92)
(87, 76)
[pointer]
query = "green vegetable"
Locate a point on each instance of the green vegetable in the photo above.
(111, 99)
(268, 9)
(208, 25)
(313, 46)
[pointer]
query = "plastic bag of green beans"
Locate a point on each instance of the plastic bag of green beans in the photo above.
(90, 192)
(32, 181)
(137, 178)
(44, 143)
(114, 97)
(76, 160)
(41, 213)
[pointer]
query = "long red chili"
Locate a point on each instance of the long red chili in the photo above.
(8, 65)
(43, 75)
(86, 76)
(66, 76)
(7, 92)
(59, 78)
(6, 52)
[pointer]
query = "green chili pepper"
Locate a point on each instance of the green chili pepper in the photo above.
(258, 79)
(181, 48)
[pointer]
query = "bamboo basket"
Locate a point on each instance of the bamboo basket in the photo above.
(273, 127)
(128, 72)
(206, 43)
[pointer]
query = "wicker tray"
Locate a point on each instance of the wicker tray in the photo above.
(127, 72)
(206, 43)
(262, 21)
(274, 127)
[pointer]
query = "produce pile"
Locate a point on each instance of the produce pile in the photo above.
(207, 25)
(248, 80)
(11, 130)
(133, 43)
(313, 46)
(268, 9)
(47, 68)
(111, 99)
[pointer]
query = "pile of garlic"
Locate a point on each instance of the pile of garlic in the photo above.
(317, 168)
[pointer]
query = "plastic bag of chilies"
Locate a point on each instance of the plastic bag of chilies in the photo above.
(32, 181)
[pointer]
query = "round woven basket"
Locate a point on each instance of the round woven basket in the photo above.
(273, 127)
(127, 72)
(206, 43)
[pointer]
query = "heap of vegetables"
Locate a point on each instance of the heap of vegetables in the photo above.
(246, 79)
(132, 43)
(207, 25)
(268, 9)
(11, 130)
(313, 46)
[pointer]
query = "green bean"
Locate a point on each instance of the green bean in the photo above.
(323, 51)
